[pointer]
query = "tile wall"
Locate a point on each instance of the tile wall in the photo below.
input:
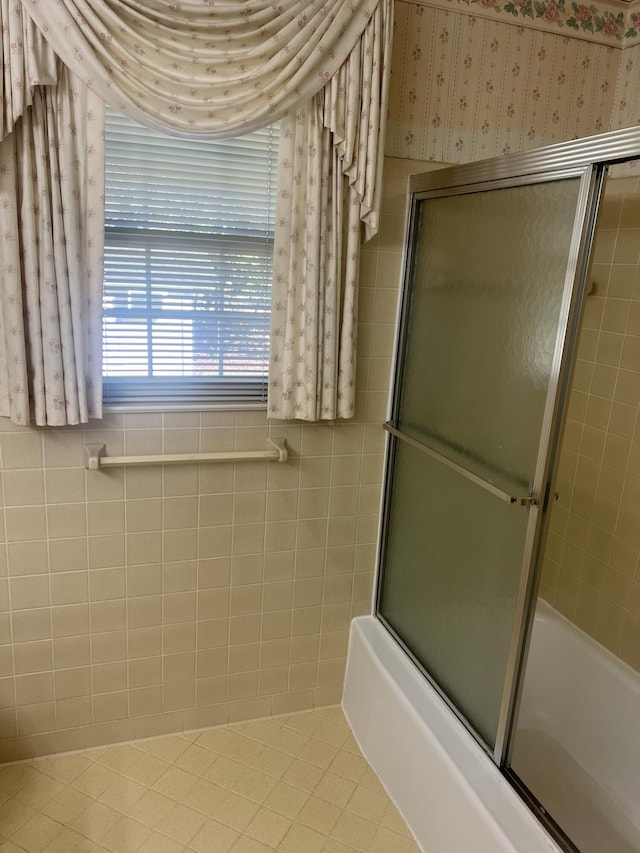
(591, 570)
(142, 601)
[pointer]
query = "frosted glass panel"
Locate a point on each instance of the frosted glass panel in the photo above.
(487, 282)
(452, 569)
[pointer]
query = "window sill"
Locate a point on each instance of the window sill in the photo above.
(229, 406)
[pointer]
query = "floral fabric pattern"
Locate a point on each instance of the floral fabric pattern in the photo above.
(221, 68)
(210, 69)
(51, 189)
(27, 62)
(330, 164)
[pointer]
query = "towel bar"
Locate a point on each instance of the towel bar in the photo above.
(95, 458)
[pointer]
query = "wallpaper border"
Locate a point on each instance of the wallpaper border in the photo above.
(602, 23)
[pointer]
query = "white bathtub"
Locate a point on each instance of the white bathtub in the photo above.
(449, 792)
(578, 741)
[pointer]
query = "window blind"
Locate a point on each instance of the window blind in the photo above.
(188, 262)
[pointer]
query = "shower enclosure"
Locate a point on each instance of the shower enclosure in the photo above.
(481, 469)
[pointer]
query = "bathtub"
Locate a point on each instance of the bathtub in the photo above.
(451, 795)
(579, 730)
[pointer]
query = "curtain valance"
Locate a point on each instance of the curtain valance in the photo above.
(220, 68)
(195, 67)
(27, 63)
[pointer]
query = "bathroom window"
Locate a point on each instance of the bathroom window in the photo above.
(188, 262)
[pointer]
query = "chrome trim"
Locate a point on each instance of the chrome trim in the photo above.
(614, 147)
(496, 183)
(527, 501)
(563, 840)
(576, 276)
(394, 403)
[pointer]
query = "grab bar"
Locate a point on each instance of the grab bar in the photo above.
(94, 455)
(485, 484)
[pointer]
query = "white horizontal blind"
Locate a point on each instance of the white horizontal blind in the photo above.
(188, 264)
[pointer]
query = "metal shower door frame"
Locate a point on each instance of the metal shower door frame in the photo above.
(588, 159)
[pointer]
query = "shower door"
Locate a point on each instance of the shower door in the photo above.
(493, 281)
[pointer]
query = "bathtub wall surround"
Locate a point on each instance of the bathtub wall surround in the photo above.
(141, 601)
(591, 570)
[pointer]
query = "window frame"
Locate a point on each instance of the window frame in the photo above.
(188, 393)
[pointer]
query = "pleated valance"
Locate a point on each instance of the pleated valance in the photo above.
(220, 68)
(28, 62)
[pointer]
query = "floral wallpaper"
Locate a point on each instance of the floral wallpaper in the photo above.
(466, 88)
(606, 23)
(626, 106)
(626, 103)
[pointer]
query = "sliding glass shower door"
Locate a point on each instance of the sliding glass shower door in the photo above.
(491, 289)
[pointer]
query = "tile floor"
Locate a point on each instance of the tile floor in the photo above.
(295, 784)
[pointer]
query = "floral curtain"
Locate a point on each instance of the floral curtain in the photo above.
(51, 187)
(330, 165)
(220, 68)
(226, 68)
(28, 62)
